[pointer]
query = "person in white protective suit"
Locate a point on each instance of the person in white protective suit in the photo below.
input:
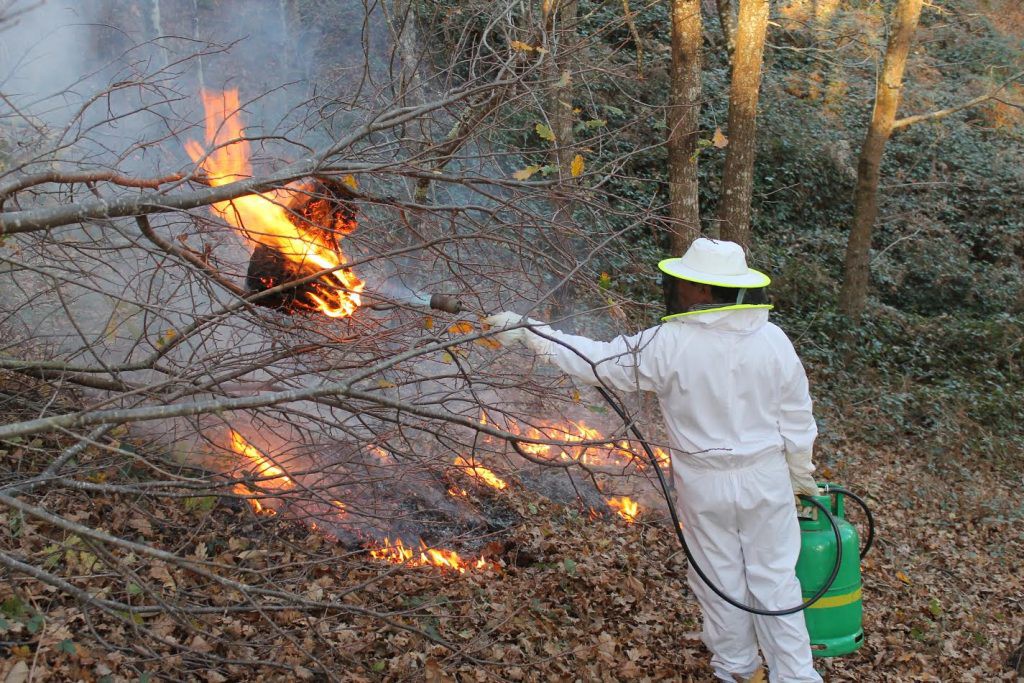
(735, 401)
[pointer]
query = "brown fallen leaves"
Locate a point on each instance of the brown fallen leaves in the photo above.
(256, 598)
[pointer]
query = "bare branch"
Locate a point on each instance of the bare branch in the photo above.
(70, 177)
(942, 113)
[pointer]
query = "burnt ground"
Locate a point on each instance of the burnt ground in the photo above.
(574, 597)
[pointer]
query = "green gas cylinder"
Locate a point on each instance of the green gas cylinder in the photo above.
(834, 621)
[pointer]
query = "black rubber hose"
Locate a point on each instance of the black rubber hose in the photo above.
(686, 549)
(829, 488)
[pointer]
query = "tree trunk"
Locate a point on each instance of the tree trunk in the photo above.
(288, 13)
(560, 27)
(727, 20)
(200, 78)
(408, 86)
(853, 293)
(684, 121)
(738, 176)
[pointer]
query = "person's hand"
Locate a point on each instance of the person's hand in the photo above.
(804, 484)
(535, 342)
(507, 319)
(800, 468)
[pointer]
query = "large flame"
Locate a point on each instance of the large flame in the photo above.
(263, 218)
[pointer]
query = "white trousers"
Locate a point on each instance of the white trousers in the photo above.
(741, 526)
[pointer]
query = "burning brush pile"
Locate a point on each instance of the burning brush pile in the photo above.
(295, 232)
(297, 264)
(476, 502)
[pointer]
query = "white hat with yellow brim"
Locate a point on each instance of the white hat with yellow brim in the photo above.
(714, 262)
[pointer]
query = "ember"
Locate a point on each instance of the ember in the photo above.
(295, 231)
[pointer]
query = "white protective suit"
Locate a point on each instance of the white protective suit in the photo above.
(735, 400)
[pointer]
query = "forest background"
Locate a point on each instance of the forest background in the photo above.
(514, 155)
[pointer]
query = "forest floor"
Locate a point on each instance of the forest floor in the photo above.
(578, 598)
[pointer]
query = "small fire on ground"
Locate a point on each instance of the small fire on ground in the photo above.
(269, 476)
(293, 237)
(600, 451)
(625, 507)
(274, 478)
(399, 553)
(483, 474)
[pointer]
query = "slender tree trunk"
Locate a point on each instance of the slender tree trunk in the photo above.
(155, 21)
(560, 28)
(288, 16)
(727, 19)
(684, 121)
(200, 78)
(157, 32)
(738, 176)
(407, 83)
(560, 108)
(853, 294)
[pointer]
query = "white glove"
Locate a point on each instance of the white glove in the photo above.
(507, 319)
(503, 320)
(800, 468)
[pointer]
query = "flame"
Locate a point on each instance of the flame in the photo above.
(263, 218)
(664, 461)
(272, 476)
(396, 553)
(399, 553)
(254, 503)
(482, 473)
(265, 468)
(379, 452)
(626, 507)
(604, 452)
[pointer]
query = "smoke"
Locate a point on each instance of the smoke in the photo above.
(113, 84)
(37, 54)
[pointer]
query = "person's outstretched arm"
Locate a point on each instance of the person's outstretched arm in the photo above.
(626, 363)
